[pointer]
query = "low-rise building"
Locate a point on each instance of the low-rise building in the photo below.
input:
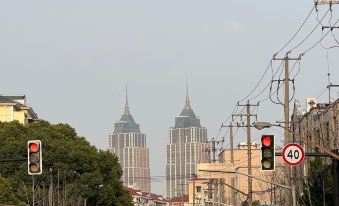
(14, 108)
(227, 187)
(146, 198)
(317, 127)
(198, 189)
(182, 200)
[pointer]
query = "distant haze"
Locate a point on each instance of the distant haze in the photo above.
(72, 60)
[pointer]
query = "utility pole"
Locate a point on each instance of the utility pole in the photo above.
(194, 189)
(231, 141)
(290, 172)
(232, 160)
(214, 150)
(249, 146)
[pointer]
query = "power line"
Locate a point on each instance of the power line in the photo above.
(303, 53)
(295, 34)
(310, 32)
(256, 86)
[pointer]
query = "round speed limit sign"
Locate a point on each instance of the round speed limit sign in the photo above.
(293, 154)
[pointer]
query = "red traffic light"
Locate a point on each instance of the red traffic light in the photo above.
(34, 160)
(266, 141)
(33, 147)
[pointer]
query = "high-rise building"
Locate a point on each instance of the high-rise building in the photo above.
(129, 144)
(186, 148)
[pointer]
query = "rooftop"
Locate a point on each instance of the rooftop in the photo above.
(184, 198)
(187, 117)
(147, 195)
(127, 122)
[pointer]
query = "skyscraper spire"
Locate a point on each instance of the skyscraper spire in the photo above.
(126, 104)
(187, 100)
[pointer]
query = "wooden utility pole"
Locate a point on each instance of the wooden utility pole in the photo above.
(290, 171)
(249, 146)
(232, 160)
(214, 149)
(194, 189)
(231, 141)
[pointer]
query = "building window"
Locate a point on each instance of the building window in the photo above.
(198, 189)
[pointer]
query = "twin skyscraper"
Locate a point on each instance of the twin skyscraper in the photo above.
(187, 144)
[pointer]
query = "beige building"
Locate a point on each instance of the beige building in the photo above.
(199, 191)
(129, 144)
(318, 125)
(223, 179)
(14, 108)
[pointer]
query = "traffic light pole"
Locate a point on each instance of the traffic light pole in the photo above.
(33, 190)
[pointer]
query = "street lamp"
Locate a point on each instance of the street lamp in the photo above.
(262, 125)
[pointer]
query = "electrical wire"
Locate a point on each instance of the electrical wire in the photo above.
(295, 34)
(309, 49)
(257, 85)
(310, 32)
(267, 85)
(321, 93)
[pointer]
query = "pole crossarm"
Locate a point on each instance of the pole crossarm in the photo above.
(333, 85)
(326, 2)
(287, 57)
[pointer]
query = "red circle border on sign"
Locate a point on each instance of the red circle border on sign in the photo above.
(302, 154)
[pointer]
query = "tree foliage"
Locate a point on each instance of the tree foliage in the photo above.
(73, 169)
(318, 185)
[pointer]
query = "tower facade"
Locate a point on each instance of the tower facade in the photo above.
(129, 144)
(187, 142)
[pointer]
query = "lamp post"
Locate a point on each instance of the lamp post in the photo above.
(263, 125)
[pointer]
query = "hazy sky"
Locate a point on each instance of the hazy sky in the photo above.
(72, 60)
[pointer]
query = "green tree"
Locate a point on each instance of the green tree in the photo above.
(320, 178)
(79, 171)
(7, 195)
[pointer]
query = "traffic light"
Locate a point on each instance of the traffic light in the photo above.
(267, 153)
(34, 157)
